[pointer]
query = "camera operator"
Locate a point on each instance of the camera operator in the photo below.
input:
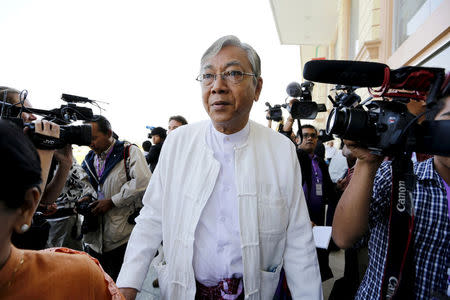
(158, 136)
(27, 274)
(365, 205)
(64, 220)
(119, 173)
(37, 236)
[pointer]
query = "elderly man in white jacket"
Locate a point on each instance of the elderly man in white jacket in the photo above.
(225, 199)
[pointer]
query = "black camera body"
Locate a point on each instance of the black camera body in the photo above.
(90, 222)
(68, 134)
(380, 128)
(275, 112)
(385, 126)
(63, 116)
(303, 107)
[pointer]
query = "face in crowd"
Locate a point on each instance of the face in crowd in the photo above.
(227, 102)
(156, 139)
(173, 124)
(13, 97)
(100, 141)
(309, 141)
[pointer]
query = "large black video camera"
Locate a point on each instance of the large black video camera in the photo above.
(303, 107)
(63, 116)
(384, 126)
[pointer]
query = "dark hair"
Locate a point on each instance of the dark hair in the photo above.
(445, 93)
(306, 126)
(21, 165)
(178, 118)
(146, 145)
(102, 123)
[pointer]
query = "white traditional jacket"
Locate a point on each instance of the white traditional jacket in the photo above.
(274, 224)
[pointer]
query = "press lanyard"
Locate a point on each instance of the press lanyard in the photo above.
(315, 170)
(102, 169)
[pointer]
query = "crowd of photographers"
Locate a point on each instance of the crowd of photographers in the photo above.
(385, 206)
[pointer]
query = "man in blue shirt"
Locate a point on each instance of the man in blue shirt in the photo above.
(365, 205)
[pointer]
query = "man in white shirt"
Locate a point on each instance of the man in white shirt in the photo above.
(225, 199)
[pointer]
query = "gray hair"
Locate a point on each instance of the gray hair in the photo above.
(231, 40)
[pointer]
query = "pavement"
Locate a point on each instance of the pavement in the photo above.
(336, 261)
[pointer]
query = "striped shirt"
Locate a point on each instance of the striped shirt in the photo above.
(431, 232)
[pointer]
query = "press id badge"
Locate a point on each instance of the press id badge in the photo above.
(100, 195)
(319, 191)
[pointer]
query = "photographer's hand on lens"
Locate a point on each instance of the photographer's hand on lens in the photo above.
(100, 207)
(64, 156)
(363, 154)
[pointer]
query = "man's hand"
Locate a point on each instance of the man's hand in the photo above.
(64, 156)
(100, 207)
(129, 293)
(363, 154)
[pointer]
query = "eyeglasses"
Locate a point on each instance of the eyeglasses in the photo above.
(309, 135)
(229, 76)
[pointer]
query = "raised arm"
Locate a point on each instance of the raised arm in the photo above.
(352, 212)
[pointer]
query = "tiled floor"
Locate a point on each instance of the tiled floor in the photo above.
(336, 264)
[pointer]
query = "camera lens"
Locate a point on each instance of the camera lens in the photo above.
(337, 121)
(77, 134)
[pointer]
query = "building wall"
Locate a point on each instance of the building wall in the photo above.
(374, 39)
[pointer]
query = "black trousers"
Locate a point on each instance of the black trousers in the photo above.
(111, 261)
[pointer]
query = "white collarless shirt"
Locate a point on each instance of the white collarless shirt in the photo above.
(217, 245)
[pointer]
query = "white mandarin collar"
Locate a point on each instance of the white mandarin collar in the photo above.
(236, 139)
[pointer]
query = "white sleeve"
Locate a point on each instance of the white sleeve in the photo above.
(300, 258)
(145, 238)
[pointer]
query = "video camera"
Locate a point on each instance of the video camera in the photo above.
(274, 112)
(384, 126)
(66, 114)
(303, 107)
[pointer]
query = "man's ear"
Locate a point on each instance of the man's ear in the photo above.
(26, 211)
(110, 133)
(258, 89)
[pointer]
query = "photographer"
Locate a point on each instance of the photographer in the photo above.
(119, 173)
(365, 205)
(63, 220)
(36, 237)
(27, 274)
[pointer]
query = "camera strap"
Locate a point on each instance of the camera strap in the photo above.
(126, 154)
(399, 271)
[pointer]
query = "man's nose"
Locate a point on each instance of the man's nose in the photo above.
(220, 85)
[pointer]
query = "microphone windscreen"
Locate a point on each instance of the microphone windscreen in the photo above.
(345, 72)
(294, 89)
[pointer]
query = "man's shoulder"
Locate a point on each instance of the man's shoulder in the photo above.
(186, 132)
(264, 133)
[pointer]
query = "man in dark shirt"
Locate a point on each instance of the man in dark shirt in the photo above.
(318, 188)
(158, 135)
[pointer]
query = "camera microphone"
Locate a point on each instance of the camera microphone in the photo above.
(294, 89)
(345, 72)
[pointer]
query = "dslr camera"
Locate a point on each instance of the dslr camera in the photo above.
(90, 222)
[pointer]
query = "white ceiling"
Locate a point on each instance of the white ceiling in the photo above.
(305, 22)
